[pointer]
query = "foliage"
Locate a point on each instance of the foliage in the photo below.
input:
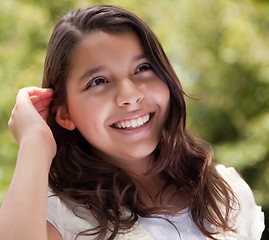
(219, 49)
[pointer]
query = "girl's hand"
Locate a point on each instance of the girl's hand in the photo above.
(27, 121)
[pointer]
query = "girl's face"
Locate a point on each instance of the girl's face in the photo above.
(115, 99)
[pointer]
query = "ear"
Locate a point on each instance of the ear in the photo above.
(63, 119)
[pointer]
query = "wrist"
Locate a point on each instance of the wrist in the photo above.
(37, 150)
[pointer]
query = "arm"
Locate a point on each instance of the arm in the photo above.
(53, 233)
(23, 212)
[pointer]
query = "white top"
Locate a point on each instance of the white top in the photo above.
(249, 222)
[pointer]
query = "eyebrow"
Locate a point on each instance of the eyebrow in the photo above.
(91, 72)
(139, 57)
(101, 68)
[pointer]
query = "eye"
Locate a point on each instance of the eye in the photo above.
(143, 67)
(96, 82)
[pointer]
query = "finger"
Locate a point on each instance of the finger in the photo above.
(36, 98)
(39, 103)
(42, 92)
(44, 113)
(35, 91)
(24, 94)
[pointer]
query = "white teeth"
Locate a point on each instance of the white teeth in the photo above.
(145, 118)
(139, 121)
(128, 124)
(133, 123)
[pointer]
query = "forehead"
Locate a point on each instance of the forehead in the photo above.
(100, 46)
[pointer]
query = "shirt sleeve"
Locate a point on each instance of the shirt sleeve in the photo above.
(69, 218)
(250, 219)
(54, 212)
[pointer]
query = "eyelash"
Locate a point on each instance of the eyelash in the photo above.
(147, 65)
(138, 70)
(91, 83)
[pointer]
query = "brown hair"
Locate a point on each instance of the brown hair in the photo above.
(181, 159)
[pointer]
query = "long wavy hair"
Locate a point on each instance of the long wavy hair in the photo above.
(182, 160)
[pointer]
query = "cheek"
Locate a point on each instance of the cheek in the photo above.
(161, 94)
(90, 116)
(86, 115)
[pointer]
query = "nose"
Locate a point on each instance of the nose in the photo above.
(128, 93)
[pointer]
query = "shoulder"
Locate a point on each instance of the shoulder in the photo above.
(238, 185)
(250, 218)
(68, 218)
(240, 188)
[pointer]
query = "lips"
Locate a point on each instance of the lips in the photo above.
(132, 123)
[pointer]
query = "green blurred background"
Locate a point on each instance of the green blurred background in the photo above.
(219, 48)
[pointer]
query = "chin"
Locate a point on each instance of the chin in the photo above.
(142, 153)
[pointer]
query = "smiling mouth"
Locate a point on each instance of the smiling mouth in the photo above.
(132, 123)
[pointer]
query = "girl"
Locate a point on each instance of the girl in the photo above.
(121, 163)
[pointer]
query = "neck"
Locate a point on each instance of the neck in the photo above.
(149, 189)
(137, 167)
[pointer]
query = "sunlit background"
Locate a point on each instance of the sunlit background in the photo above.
(219, 48)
